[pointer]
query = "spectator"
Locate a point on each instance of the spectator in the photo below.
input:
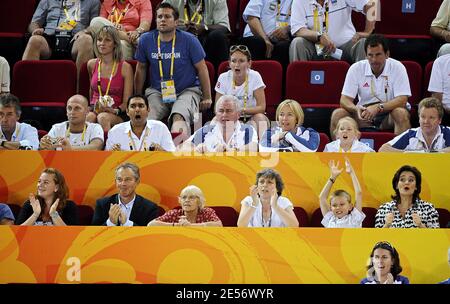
(139, 134)
(347, 138)
(382, 86)
(267, 33)
(384, 266)
(341, 213)
(50, 206)
(290, 135)
(76, 133)
(125, 208)
(324, 29)
(438, 85)
(59, 28)
(265, 207)
(6, 215)
(225, 133)
(174, 86)
(111, 80)
(440, 27)
(14, 134)
(192, 212)
(247, 85)
(208, 20)
(407, 210)
(431, 136)
(4, 76)
(131, 18)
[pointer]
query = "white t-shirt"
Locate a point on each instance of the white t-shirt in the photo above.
(440, 79)
(93, 131)
(4, 75)
(275, 220)
(212, 136)
(340, 28)
(155, 132)
(352, 220)
(224, 86)
(357, 146)
(392, 82)
(267, 12)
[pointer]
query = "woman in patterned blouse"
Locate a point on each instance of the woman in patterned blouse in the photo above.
(407, 210)
(192, 212)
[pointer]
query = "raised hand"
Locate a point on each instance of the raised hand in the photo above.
(34, 202)
(417, 219)
(54, 206)
(334, 169)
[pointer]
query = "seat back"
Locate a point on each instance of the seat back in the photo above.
(15, 15)
(369, 221)
(316, 218)
(233, 11)
(41, 133)
(426, 79)
(444, 217)
(301, 216)
(376, 139)
(85, 213)
(242, 23)
(227, 215)
(324, 139)
(15, 209)
(414, 71)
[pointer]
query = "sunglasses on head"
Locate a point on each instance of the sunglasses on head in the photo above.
(384, 243)
(239, 47)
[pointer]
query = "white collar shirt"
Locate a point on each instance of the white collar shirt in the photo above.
(25, 134)
(357, 146)
(126, 208)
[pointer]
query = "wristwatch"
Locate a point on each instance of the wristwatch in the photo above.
(319, 35)
(380, 107)
(54, 214)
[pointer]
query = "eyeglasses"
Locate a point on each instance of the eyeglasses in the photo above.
(239, 47)
(188, 198)
(384, 243)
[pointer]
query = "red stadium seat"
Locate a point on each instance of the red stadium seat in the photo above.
(316, 218)
(369, 221)
(444, 217)
(85, 213)
(272, 74)
(227, 215)
(42, 133)
(161, 211)
(324, 139)
(426, 79)
(233, 10)
(43, 88)
(302, 216)
(414, 71)
(15, 209)
(241, 22)
(376, 139)
(317, 86)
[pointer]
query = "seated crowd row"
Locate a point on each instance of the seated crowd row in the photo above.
(263, 207)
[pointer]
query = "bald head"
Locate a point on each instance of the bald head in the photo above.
(77, 109)
(80, 99)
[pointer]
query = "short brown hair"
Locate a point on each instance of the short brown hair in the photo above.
(432, 102)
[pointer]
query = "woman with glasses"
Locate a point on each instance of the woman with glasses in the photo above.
(50, 206)
(289, 135)
(111, 80)
(384, 266)
(265, 207)
(407, 210)
(247, 86)
(192, 212)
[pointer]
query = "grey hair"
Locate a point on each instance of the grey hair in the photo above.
(232, 98)
(10, 100)
(132, 167)
(194, 190)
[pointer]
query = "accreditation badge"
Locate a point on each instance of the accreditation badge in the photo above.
(280, 24)
(168, 91)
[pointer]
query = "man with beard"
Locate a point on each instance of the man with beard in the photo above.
(125, 208)
(139, 134)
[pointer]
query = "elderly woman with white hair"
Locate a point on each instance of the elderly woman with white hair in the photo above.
(192, 212)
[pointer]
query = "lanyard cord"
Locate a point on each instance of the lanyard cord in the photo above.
(325, 21)
(143, 143)
(161, 74)
(82, 134)
(197, 13)
(99, 87)
(116, 15)
(245, 97)
(386, 86)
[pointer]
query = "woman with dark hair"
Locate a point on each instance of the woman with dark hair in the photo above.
(407, 210)
(49, 207)
(265, 207)
(384, 266)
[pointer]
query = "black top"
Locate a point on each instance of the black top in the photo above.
(69, 214)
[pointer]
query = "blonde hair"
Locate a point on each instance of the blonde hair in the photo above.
(196, 191)
(432, 102)
(109, 31)
(350, 121)
(295, 107)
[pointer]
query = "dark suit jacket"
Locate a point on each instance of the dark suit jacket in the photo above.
(142, 213)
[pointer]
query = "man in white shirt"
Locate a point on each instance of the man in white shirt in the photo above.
(226, 133)
(440, 83)
(13, 134)
(325, 28)
(382, 86)
(75, 133)
(139, 134)
(431, 136)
